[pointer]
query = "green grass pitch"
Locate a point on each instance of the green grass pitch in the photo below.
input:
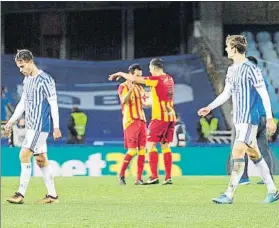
(101, 202)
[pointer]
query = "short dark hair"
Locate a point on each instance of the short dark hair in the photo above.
(134, 67)
(24, 55)
(253, 60)
(157, 62)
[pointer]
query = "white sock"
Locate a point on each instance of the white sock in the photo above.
(49, 180)
(265, 174)
(25, 176)
(237, 172)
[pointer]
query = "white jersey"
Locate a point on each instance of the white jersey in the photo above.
(36, 92)
(242, 79)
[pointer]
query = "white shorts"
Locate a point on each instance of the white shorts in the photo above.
(246, 133)
(35, 141)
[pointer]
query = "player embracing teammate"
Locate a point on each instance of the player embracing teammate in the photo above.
(161, 126)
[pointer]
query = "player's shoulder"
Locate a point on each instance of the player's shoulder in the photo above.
(45, 76)
(121, 86)
(250, 65)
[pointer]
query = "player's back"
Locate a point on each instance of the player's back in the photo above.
(242, 79)
(36, 90)
(163, 98)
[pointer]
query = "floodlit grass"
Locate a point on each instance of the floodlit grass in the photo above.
(101, 202)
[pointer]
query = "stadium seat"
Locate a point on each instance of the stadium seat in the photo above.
(249, 36)
(266, 46)
(270, 55)
(276, 37)
(274, 65)
(273, 74)
(252, 45)
(277, 48)
(254, 53)
(263, 37)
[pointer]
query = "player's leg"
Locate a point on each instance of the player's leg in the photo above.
(25, 175)
(153, 162)
(166, 150)
(245, 134)
(42, 162)
(131, 143)
(154, 134)
(244, 180)
(167, 155)
(256, 157)
(141, 153)
(263, 146)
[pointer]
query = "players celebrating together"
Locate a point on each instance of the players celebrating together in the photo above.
(161, 127)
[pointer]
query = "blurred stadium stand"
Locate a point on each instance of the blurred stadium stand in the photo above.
(131, 31)
(84, 84)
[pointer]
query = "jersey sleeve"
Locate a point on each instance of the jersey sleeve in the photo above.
(49, 88)
(256, 77)
(151, 81)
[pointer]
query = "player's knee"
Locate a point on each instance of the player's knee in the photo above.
(165, 148)
(132, 151)
(239, 150)
(25, 155)
(154, 149)
(41, 161)
(254, 154)
(151, 147)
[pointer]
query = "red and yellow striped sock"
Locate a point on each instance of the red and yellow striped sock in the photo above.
(167, 161)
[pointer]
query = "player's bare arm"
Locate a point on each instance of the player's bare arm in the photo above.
(126, 97)
(55, 117)
(270, 124)
(130, 77)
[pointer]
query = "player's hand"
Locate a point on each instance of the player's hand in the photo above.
(57, 133)
(115, 76)
(79, 137)
(270, 126)
(204, 111)
(131, 86)
(8, 126)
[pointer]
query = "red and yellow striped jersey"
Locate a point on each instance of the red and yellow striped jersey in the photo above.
(133, 109)
(162, 92)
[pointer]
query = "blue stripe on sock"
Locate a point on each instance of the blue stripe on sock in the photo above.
(239, 160)
(257, 161)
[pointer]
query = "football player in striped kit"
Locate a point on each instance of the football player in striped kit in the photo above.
(39, 102)
(243, 82)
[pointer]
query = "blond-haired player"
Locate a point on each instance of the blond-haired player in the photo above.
(243, 82)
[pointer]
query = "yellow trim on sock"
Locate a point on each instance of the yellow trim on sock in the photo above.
(132, 152)
(166, 150)
(142, 152)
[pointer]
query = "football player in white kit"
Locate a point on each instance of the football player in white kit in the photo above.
(39, 102)
(243, 82)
